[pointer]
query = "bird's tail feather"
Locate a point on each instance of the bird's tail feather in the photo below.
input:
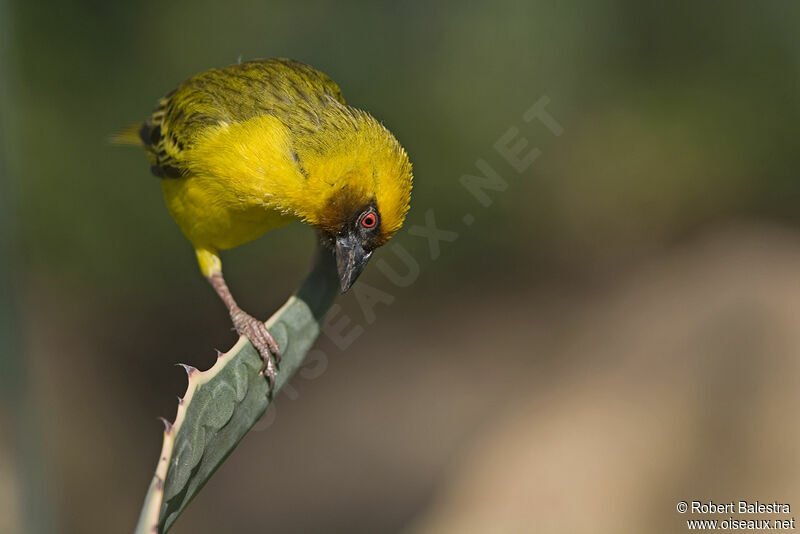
(128, 136)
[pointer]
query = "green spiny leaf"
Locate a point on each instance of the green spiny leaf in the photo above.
(223, 403)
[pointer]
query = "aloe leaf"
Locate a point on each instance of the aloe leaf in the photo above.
(223, 403)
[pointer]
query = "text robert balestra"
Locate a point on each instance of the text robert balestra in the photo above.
(739, 507)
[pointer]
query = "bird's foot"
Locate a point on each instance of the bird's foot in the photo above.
(256, 331)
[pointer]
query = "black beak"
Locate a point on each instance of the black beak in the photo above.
(351, 258)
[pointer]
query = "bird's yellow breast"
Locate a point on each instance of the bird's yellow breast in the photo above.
(239, 175)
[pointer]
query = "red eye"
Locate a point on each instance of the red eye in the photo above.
(369, 220)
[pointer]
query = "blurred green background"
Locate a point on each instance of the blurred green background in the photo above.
(606, 338)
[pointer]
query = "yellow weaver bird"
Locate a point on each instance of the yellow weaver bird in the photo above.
(250, 147)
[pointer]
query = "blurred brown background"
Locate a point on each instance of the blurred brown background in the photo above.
(615, 333)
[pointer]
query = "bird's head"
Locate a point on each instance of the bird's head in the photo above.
(354, 241)
(362, 184)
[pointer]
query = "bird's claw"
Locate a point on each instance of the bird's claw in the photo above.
(262, 340)
(268, 370)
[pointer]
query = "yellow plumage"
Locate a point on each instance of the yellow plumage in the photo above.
(253, 146)
(259, 144)
(238, 187)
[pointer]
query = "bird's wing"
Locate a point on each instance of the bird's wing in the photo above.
(287, 89)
